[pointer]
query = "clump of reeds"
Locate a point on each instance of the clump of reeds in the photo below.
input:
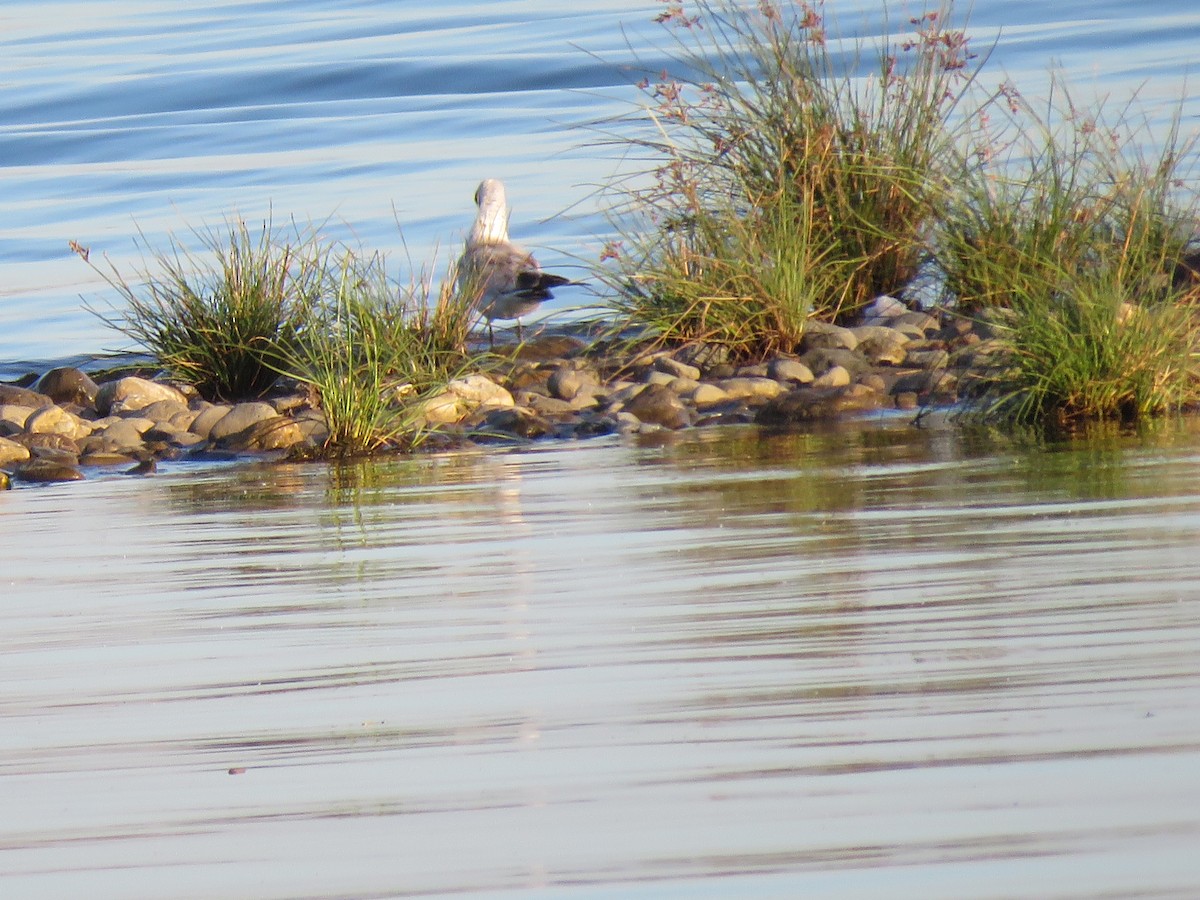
(224, 316)
(1072, 240)
(374, 350)
(785, 183)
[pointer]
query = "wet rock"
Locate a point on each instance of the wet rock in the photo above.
(833, 377)
(124, 434)
(750, 389)
(679, 369)
(906, 400)
(46, 471)
(160, 410)
(11, 452)
(658, 405)
(239, 418)
(56, 420)
(68, 385)
(10, 395)
(706, 395)
(13, 417)
(818, 361)
(58, 442)
(270, 433)
(207, 417)
(5, 481)
(825, 336)
(546, 406)
(131, 392)
(166, 433)
(883, 310)
(881, 345)
(480, 391)
(517, 422)
(568, 383)
(927, 359)
(102, 459)
(781, 368)
(550, 346)
(812, 404)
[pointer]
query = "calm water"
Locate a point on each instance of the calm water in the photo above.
(878, 662)
(372, 116)
(875, 662)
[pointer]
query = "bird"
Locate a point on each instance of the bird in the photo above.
(502, 280)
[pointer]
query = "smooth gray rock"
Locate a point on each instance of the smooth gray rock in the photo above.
(208, 417)
(67, 384)
(746, 388)
(46, 471)
(12, 452)
(11, 395)
(132, 392)
(659, 405)
(238, 419)
(781, 368)
(679, 369)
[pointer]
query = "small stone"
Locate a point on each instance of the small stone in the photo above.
(207, 418)
(11, 451)
(706, 395)
(11, 395)
(811, 404)
(564, 383)
(781, 368)
(518, 422)
(47, 442)
(884, 307)
(68, 385)
(923, 321)
(479, 391)
(270, 433)
(46, 471)
(833, 377)
(161, 410)
(101, 459)
(132, 392)
(125, 434)
(820, 360)
(927, 359)
(820, 335)
(5, 481)
(741, 388)
(546, 406)
(241, 417)
(679, 369)
(56, 420)
(659, 405)
(653, 376)
(906, 400)
(874, 382)
(13, 417)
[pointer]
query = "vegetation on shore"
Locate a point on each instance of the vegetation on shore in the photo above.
(786, 180)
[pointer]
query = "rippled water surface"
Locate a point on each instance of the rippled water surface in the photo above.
(379, 118)
(877, 662)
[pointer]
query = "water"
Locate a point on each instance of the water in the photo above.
(378, 119)
(872, 662)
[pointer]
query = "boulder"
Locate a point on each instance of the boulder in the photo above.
(67, 384)
(132, 392)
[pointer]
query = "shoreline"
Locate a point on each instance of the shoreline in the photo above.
(562, 384)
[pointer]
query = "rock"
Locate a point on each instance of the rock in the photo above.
(132, 392)
(45, 471)
(703, 356)
(5, 481)
(480, 391)
(781, 368)
(241, 417)
(882, 309)
(653, 376)
(742, 388)
(124, 434)
(207, 417)
(811, 404)
(659, 405)
(106, 458)
(518, 422)
(13, 417)
(166, 433)
(271, 433)
(550, 346)
(923, 321)
(161, 410)
(567, 383)
(820, 335)
(44, 441)
(833, 377)
(679, 369)
(68, 385)
(543, 405)
(882, 345)
(11, 395)
(11, 451)
(906, 400)
(927, 359)
(56, 420)
(706, 395)
(818, 361)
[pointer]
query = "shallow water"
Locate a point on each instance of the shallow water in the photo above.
(873, 662)
(877, 661)
(378, 120)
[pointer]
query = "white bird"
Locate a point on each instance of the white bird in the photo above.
(506, 281)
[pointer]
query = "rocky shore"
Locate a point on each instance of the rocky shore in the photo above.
(63, 425)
